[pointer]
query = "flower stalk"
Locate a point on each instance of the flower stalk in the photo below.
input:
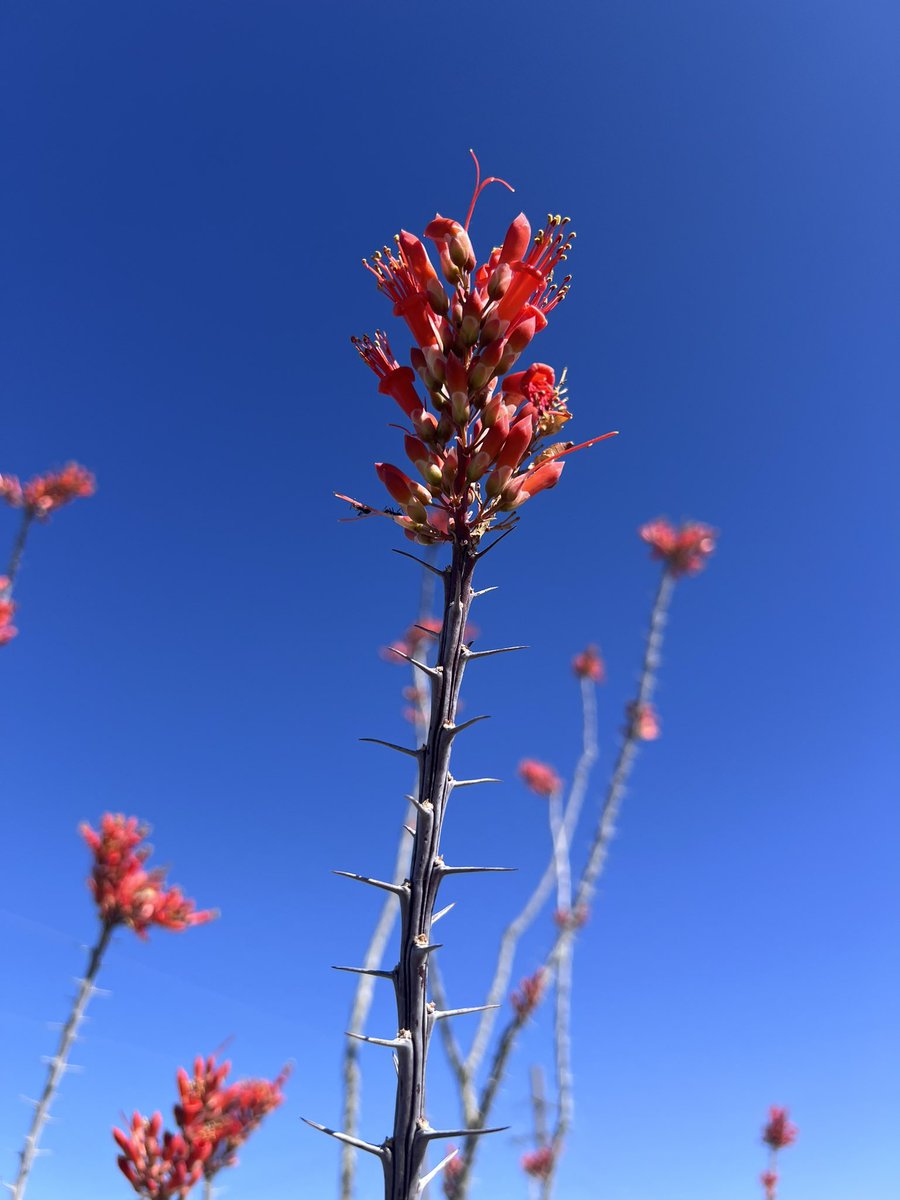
(57, 1064)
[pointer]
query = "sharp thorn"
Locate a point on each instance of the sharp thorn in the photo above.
(433, 672)
(458, 783)
(392, 746)
(455, 729)
(496, 542)
(422, 563)
(445, 870)
(409, 829)
(377, 883)
(440, 1014)
(346, 1138)
(430, 948)
(391, 1043)
(435, 633)
(366, 971)
(430, 1135)
(442, 913)
(426, 1179)
(484, 591)
(471, 654)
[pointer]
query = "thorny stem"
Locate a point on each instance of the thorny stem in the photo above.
(18, 549)
(374, 956)
(405, 1150)
(529, 914)
(539, 1106)
(596, 859)
(207, 1188)
(562, 1041)
(57, 1064)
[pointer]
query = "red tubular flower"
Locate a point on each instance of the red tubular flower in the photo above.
(684, 550)
(46, 493)
(127, 894)
(778, 1131)
(528, 996)
(542, 779)
(481, 465)
(158, 1168)
(538, 1163)
(589, 665)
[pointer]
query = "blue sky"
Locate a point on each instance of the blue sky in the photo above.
(188, 191)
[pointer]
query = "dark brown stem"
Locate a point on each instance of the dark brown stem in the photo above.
(57, 1065)
(405, 1149)
(15, 557)
(365, 988)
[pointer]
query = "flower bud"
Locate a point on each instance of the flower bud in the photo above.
(517, 240)
(437, 364)
(516, 445)
(499, 281)
(478, 466)
(459, 408)
(437, 297)
(462, 254)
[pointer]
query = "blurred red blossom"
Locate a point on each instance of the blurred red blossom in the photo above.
(643, 722)
(778, 1131)
(572, 918)
(684, 550)
(46, 493)
(158, 1168)
(540, 777)
(11, 490)
(7, 608)
(538, 1163)
(528, 994)
(126, 893)
(214, 1121)
(589, 665)
(451, 1173)
(769, 1180)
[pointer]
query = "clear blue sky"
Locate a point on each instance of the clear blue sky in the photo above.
(188, 190)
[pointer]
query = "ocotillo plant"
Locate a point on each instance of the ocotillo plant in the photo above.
(482, 449)
(213, 1118)
(36, 500)
(777, 1133)
(126, 895)
(683, 551)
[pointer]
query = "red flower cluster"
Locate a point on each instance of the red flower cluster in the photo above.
(528, 996)
(126, 893)
(643, 723)
(483, 447)
(46, 493)
(7, 630)
(542, 780)
(778, 1131)
(538, 1163)
(684, 550)
(214, 1120)
(159, 1168)
(589, 665)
